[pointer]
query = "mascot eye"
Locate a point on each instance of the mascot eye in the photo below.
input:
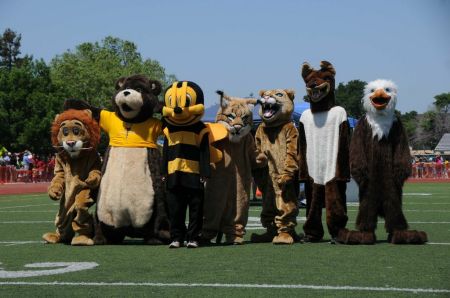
(372, 90)
(244, 118)
(65, 131)
(76, 131)
(387, 89)
(279, 94)
(138, 90)
(188, 102)
(230, 117)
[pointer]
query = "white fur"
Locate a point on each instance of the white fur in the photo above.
(126, 190)
(380, 120)
(322, 137)
(133, 100)
(75, 150)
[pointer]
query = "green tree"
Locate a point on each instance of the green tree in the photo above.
(349, 96)
(409, 121)
(10, 49)
(442, 102)
(27, 107)
(90, 72)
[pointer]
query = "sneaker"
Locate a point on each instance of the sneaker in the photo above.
(175, 244)
(192, 244)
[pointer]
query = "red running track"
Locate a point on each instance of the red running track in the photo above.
(23, 188)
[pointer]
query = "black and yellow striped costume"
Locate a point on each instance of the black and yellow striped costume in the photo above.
(186, 155)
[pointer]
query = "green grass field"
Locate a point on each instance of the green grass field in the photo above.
(250, 270)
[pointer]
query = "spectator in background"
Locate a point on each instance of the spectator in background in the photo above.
(27, 160)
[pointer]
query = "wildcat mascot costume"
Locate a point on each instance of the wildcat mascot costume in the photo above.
(380, 162)
(227, 192)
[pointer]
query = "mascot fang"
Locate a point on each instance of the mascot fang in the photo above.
(77, 176)
(380, 162)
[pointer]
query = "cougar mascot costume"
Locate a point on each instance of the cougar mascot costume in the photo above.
(227, 192)
(380, 162)
(77, 176)
(277, 138)
(323, 161)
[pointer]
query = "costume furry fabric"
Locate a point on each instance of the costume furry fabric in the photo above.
(227, 192)
(323, 161)
(277, 138)
(131, 200)
(77, 176)
(380, 162)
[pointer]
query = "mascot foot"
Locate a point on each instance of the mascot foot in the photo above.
(82, 240)
(234, 240)
(309, 239)
(153, 241)
(51, 238)
(355, 237)
(263, 238)
(408, 237)
(283, 238)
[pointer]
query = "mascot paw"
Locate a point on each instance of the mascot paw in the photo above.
(263, 238)
(55, 192)
(82, 240)
(100, 240)
(234, 240)
(408, 237)
(355, 237)
(51, 238)
(283, 238)
(282, 180)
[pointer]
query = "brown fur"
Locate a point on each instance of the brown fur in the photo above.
(75, 182)
(380, 167)
(320, 86)
(278, 140)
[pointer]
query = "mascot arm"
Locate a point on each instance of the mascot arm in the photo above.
(342, 163)
(93, 179)
(257, 159)
(402, 155)
(358, 159)
(302, 164)
(164, 170)
(56, 189)
(290, 168)
(78, 104)
(260, 175)
(205, 170)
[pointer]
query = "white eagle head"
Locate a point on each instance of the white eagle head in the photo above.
(380, 98)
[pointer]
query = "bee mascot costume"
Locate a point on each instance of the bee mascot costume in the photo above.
(77, 176)
(131, 200)
(186, 160)
(323, 161)
(380, 162)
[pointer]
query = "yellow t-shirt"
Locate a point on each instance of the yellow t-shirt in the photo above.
(122, 134)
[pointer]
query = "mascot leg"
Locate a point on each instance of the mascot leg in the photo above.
(82, 223)
(335, 208)
(396, 224)
(64, 231)
(366, 221)
(287, 208)
(313, 227)
(268, 214)
(242, 205)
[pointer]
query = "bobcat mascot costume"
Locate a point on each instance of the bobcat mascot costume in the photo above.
(323, 161)
(77, 176)
(277, 138)
(380, 162)
(227, 192)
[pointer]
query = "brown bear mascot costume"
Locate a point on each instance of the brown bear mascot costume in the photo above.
(380, 162)
(323, 160)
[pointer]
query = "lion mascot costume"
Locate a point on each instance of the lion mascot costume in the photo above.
(380, 162)
(77, 176)
(227, 192)
(277, 138)
(324, 149)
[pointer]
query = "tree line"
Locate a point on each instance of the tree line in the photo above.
(32, 91)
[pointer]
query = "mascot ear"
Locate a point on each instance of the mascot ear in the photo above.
(306, 70)
(290, 93)
(224, 100)
(56, 118)
(327, 66)
(261, 92)
(155, 86)
(88, 112)
(120, 82)
(251, 102)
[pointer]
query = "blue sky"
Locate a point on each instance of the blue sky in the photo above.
(244, 46)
